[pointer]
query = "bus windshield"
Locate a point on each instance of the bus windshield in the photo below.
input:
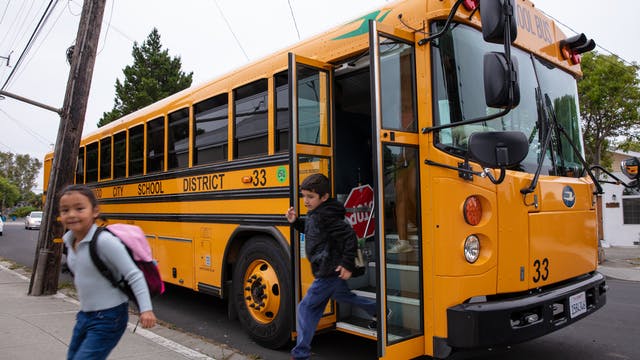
(458, 92)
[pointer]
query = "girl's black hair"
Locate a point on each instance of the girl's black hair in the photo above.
(316, 183)
(83, 190)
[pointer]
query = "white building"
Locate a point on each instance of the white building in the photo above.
(621, 207)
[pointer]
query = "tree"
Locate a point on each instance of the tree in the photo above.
(154, 75)
(9, 194)
(20, 169)
(609, 96)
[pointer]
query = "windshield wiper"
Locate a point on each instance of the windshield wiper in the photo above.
(551, 121)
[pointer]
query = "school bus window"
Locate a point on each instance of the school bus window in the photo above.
(397, 79)
(155, 145)
(211, 128)
(136, 150)
(313, 105)
(251, 120)
(92, 163)
(105, 158)
(178, 145)
(80, 167)
(281, 107)
(120, 155)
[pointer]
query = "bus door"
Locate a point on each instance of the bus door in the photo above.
(396, 193)
(312, 152)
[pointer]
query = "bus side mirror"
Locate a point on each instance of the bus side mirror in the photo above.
(630, 167)
(494, 15)
(500, 82)
(498, 149)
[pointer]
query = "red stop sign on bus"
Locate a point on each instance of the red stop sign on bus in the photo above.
(359, 206)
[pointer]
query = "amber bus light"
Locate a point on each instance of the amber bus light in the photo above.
(472, 210)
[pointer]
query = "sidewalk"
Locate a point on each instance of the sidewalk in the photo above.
(39, 327)
(621, 263)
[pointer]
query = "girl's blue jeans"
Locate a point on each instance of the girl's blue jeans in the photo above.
(96, 333)
(313, 304)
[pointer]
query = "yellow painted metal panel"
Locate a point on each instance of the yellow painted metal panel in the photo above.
(563, 245)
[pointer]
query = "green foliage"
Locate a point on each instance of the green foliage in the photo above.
(609, 103)
(154, 75)
(20, 169)
(630, 145)
(23, 211)
(9, 193)
(33, 199)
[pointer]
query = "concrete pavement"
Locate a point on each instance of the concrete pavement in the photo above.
(39, 327)
(621, 262)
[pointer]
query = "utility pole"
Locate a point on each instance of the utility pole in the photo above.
(46, 267)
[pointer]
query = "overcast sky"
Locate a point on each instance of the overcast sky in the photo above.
(212, 38)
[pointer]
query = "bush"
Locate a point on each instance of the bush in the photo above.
(23, 211)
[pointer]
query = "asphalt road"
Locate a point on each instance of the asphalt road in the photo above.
(611, 333)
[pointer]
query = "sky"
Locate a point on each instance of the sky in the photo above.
(212, 37)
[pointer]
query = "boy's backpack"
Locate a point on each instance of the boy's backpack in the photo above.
(138, 248)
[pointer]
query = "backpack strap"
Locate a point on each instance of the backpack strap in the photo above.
(102, 268)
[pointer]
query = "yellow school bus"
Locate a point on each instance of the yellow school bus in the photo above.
(460, 116)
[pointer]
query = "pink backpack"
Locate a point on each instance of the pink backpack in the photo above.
(138, 248)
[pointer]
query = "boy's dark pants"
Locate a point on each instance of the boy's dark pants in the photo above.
(313, 304)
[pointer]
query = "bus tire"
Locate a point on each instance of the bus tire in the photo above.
(262, 292)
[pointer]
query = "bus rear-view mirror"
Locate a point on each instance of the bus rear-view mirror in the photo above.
(630, 167)
(494, 15)
(498, 149)
(501, 87)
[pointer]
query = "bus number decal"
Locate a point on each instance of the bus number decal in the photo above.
(542, 270)
(259, 177)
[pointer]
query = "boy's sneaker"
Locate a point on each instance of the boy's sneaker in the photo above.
(402, 246)
(373, 325)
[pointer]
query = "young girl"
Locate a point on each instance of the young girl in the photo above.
(104, 310)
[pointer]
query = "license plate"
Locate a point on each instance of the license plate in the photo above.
(577, 304)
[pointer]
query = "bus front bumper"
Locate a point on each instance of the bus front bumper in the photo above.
(511, 321)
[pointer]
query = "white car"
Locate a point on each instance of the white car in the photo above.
(32, 221)
(1, 225)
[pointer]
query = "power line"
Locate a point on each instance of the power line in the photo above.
(44, 17)
(21, 71)
(5, 11)
(294, 19)
(106, 32)
(8, 147)
(41, 139)
(597, 44)
(230, 29)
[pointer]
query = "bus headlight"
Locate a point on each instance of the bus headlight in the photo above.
(472, 248)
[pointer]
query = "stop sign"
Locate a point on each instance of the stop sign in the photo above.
(359, 206)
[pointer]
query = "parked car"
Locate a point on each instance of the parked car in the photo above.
(1, 225)
(32, 221)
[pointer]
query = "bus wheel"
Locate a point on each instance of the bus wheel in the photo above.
(262, 292)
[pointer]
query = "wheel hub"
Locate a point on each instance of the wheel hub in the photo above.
(261, 291)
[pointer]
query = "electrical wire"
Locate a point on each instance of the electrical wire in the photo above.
(294, 19)
(26, 65)
(37, 30)
(8, 147)
(13, 26)
(597, 44)
(5, 11)
(230, 29)
(21, 125)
